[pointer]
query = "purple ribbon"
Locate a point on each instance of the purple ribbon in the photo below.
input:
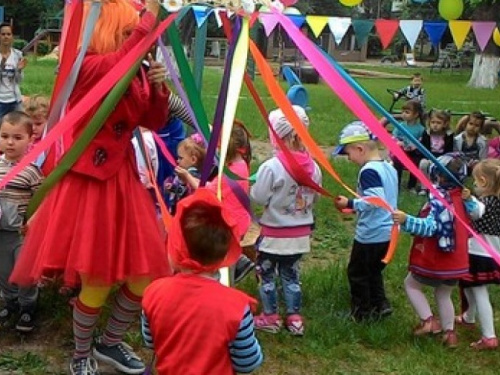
(210, 159)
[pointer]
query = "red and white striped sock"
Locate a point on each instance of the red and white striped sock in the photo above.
(84, 321)
(125, 309)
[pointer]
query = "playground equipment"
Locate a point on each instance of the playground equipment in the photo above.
(407, 59)
(49, 32)
(297, 94)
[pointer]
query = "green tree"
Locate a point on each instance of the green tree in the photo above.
(26, 15)
(323, 8)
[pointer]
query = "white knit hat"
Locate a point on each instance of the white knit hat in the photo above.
(281, 124)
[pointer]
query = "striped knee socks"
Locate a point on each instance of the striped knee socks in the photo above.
(125, 309)
(84, 321)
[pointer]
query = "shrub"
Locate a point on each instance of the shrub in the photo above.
(43, 48)
(19, 43)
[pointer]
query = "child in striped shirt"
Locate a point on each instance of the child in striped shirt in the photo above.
(16, 134)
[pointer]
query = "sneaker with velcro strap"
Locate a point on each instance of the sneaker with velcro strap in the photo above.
(121, 356)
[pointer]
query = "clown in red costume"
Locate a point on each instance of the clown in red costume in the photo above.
(98, 226)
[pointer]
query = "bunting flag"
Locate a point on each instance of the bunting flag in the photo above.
(269, 22)
(180, 15)
(338, 27)
(483, 32)
(435, 31)
(362, 29)
(297, 19)
(216, 13)
(317, 24)
(459, 31)
(201, 14)
(411, 29)
(386, 29)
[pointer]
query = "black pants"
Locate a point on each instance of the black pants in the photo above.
(365, 278)
(415, 158)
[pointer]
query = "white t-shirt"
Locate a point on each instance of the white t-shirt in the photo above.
(10, 78)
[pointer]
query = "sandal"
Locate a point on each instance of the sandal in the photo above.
(460, 321)
(485, 344)
(430, 325)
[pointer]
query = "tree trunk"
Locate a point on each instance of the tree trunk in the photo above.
(487, 62)
(485, 71)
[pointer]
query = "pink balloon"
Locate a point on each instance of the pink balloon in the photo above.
(289, 3)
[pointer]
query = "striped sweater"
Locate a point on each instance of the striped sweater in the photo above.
(20, 190)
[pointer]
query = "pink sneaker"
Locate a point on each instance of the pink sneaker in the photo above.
(485, 344)
(295, 324)
(268, 323)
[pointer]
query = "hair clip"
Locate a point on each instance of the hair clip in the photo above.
(197, 138)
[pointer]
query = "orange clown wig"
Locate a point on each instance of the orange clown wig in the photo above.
(116, 22)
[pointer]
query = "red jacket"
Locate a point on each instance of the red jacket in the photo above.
(142, 104)
(426, 259)
(193, 319)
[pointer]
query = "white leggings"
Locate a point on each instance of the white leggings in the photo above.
(478, 299)
(442, 295)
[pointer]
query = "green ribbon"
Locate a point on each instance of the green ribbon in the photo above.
(90, 131)
(191, 90)
(200, 44)
(189, 84)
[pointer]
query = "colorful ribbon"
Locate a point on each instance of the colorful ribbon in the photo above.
(219, 112)
(359, 108)
(165, 215)
(238, 66)
(89, 100)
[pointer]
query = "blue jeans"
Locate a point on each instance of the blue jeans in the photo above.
(8, 107)
(287, 267)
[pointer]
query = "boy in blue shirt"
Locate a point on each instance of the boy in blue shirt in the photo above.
(377, 178)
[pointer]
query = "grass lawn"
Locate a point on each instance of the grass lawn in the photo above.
(333, 344)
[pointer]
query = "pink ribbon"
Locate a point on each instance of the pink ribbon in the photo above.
(349, 96)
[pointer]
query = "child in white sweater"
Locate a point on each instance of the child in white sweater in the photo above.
(286, 225)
